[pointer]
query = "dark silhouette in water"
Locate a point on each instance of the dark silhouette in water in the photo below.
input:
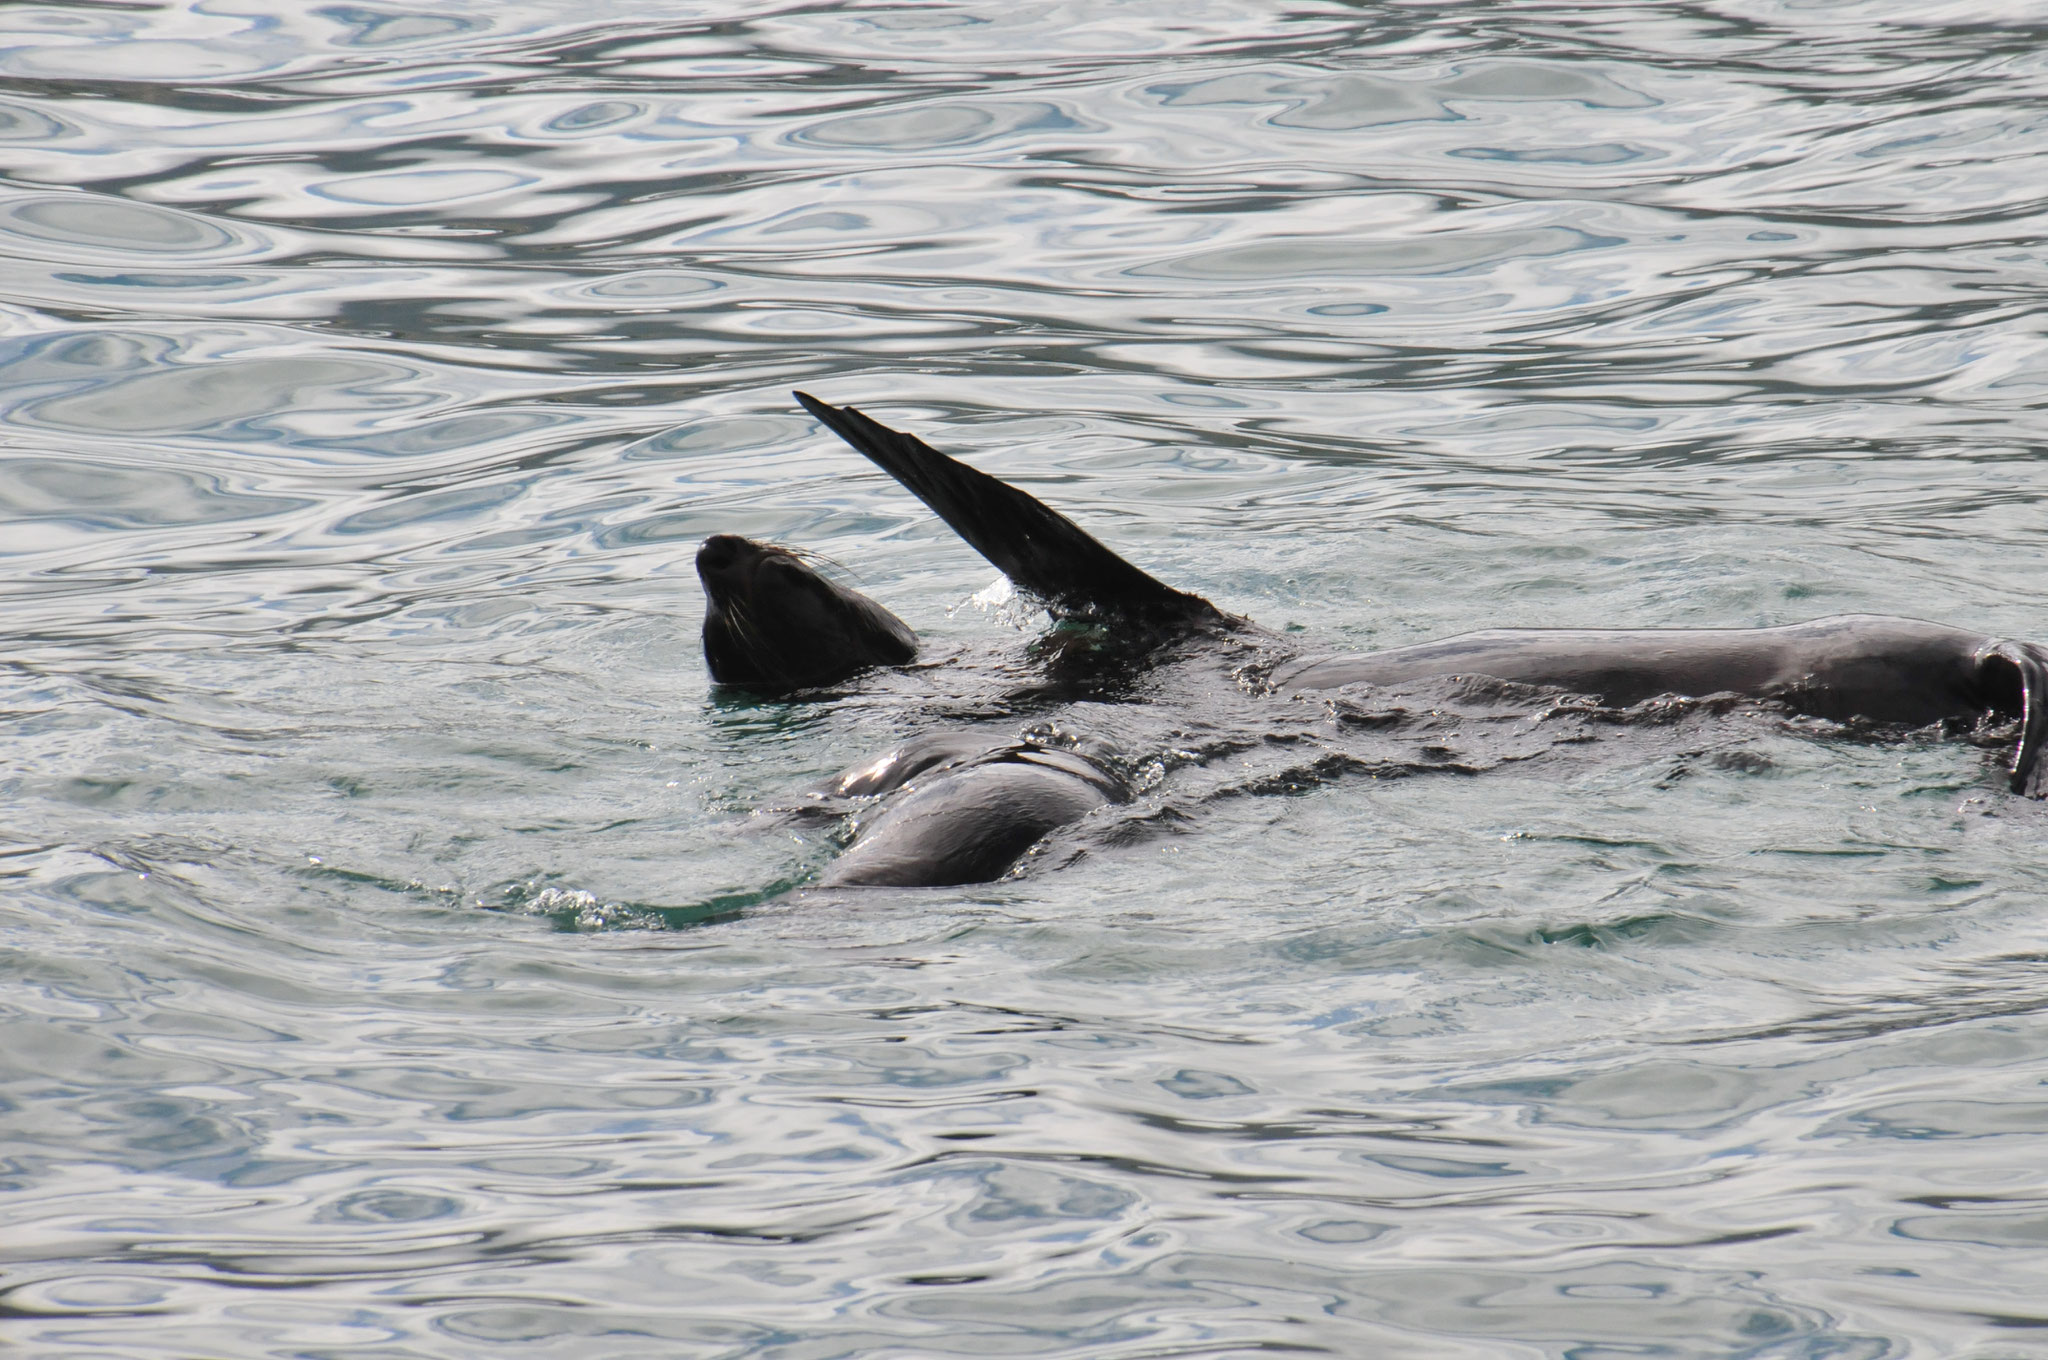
(966, 810)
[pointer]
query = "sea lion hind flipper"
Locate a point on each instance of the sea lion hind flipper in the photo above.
(1044, 553)
(2029, 661)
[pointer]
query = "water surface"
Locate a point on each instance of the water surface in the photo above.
(391, 966)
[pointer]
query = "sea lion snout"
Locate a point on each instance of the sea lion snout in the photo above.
(721, 552)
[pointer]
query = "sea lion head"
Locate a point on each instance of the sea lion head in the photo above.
(771, 623)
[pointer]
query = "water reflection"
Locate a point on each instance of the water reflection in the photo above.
(395, 963)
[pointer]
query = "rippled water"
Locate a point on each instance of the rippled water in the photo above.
(391, 969)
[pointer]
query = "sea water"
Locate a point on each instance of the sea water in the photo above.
(393, 965)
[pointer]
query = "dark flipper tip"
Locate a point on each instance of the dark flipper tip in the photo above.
(2029, 774)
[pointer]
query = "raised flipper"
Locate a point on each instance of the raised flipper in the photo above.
(1045, 554)
(2029, 777)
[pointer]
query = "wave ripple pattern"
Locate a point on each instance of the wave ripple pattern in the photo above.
(393, 968)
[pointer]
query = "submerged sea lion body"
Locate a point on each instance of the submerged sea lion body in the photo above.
(966, 814)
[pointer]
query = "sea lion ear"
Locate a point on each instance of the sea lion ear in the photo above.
(2028, 663)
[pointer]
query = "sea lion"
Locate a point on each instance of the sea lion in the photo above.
(774, 625)
(971, 816)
